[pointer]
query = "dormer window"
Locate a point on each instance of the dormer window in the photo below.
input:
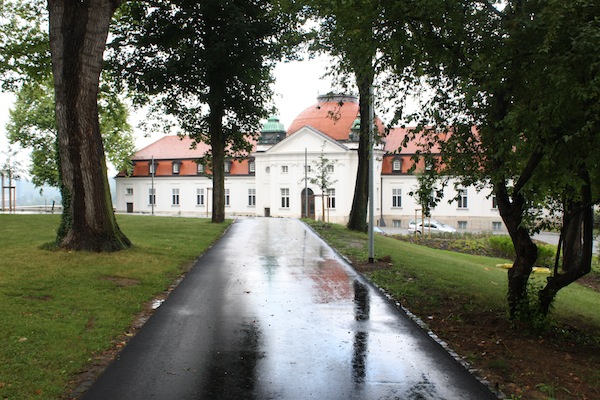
(251, 167)
(200, 168)
(397, 165)
(176, 168)
(152, 166)
(227, 167)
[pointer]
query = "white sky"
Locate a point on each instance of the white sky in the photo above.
(298, 83)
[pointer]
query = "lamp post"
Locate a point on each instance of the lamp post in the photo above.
(152, 167)
(371, 178)
(2, 173)
(305, 183)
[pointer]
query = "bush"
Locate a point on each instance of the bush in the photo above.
(546, 255)
(502, 245)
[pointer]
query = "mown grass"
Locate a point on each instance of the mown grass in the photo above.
(421, 277)
(60, 308)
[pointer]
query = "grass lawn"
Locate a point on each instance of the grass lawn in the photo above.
(462, 298)
(59, 308)
(425, 276)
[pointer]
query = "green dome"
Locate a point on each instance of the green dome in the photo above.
(272, 125)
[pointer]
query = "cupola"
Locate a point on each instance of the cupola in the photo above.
(272, 131)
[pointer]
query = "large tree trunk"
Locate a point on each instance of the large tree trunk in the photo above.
(78, 32)
(360, 201)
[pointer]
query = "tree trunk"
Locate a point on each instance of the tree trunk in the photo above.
(360, 201)
(78, 32)
(217, 143)
(572, 237)
(578, 245)
(525, 249)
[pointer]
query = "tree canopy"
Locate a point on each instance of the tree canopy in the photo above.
(24, 49)
(515, 105)
(208, 64)
(373, 54)
(33, 125)
(345, 31)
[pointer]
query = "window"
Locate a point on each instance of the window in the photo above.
(176, 167)
(200, 169)
(496, 225)
(330, 198)
(200, 196)
(462, 198)
(494, 202)
(129, 191)
(251, 167)
(175, 197)
(152, 196)
(227, 167)
(396, 165)
(285, 198)
(396, 223)
(152, 166)
(251, 197)
(330, 168)
(396, 198)
(226, 197)
(284, 169)
(462, 225)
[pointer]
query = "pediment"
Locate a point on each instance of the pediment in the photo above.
(310, 139)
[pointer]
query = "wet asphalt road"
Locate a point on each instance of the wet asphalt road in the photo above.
(271, 312)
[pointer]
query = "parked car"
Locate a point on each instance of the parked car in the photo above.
(414, 222)
(429, 226)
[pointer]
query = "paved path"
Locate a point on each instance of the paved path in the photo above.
(271, 312)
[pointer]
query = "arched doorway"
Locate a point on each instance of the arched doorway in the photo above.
(311, 203)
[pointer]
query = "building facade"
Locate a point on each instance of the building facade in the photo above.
(275, 179)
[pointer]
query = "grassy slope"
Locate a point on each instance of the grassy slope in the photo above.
(60, 308)
(421, 275)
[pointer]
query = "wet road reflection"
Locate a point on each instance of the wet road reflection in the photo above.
(327, 333)
(271, 312)
(361, 336)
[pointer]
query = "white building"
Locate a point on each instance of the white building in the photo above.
(271, 181)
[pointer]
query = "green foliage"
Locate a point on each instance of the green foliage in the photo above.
(32, 124)
(552, 391)
(502, 244)
(61, 310)
(208, 64)
(429, 191)
(358, 41)
(10, 168)
(528, 311)
(524, 74)
(24, 50)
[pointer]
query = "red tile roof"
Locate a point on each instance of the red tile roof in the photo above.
(171, 147)
(394, 139)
